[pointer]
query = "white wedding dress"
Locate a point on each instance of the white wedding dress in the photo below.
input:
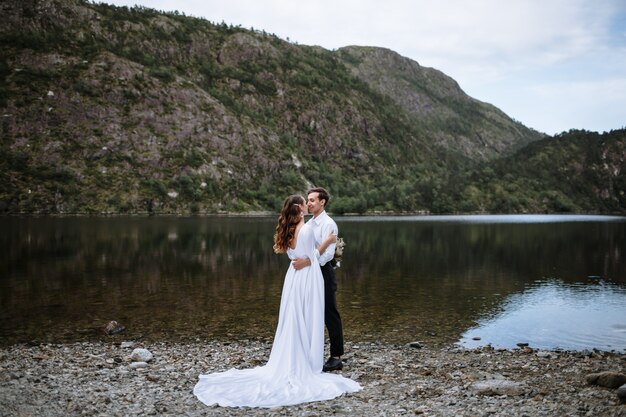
(293, 373)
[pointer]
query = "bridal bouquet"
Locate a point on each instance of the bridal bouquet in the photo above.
(336, 261)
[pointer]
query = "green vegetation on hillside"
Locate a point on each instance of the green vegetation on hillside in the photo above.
(576, 171)
(129, 110)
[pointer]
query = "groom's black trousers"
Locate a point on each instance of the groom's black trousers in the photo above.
(332, 319)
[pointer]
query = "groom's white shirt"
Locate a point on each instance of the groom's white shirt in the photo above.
(322, 226)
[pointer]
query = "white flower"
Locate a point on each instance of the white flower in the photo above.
(336, 261)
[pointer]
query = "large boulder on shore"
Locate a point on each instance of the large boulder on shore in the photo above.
(607, 379)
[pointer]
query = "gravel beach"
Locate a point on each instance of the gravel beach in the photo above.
(101, 378)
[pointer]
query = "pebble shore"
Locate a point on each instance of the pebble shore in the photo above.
(101, 378)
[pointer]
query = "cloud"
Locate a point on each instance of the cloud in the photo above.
(504, 37)
(574, 101)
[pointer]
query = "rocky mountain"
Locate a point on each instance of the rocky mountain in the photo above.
(114, 110)
(437, 105)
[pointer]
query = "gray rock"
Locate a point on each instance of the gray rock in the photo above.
(112, 328)
(136, 365)
(498, 387)
(621, 394)
(416, 345)
(127, 345)
(428, 381)
(141, 355)
(607, 379)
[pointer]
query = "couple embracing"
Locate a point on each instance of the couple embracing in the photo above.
(295, 372)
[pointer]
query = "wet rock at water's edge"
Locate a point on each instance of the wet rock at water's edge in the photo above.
(112, 328)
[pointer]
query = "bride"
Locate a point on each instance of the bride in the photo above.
(293, 374)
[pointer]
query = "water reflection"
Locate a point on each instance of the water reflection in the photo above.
(582, 316)
(402, 279)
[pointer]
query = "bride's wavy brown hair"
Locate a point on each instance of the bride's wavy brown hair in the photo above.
(289, 218)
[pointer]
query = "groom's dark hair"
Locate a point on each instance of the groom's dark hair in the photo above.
(322, 194)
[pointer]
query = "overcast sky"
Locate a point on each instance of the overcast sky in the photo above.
(554, 65)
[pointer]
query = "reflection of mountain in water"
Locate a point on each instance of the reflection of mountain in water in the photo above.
(554, 315)
(402, 279)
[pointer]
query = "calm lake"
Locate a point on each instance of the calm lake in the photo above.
(550, 281)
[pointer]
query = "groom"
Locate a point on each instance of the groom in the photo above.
(317, 199)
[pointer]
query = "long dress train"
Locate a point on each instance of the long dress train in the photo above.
(293, 373)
